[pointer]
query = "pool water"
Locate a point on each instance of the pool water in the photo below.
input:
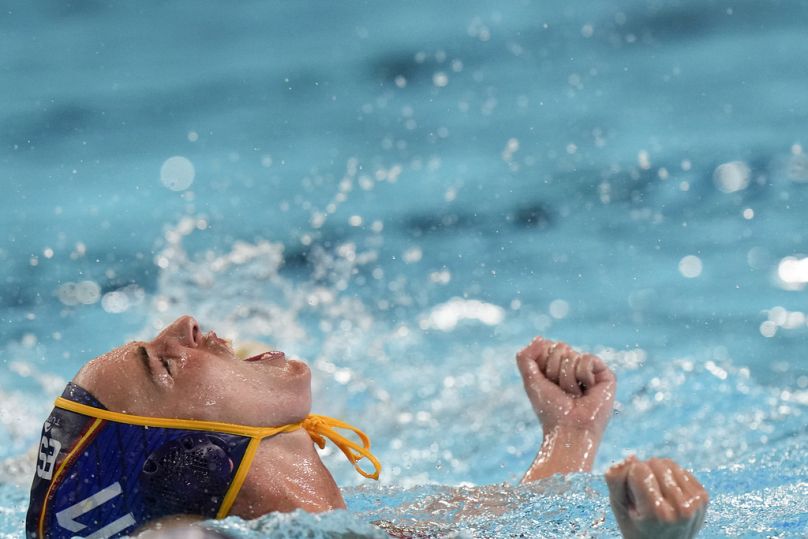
(404, 195)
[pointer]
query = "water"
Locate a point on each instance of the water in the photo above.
(404, 195)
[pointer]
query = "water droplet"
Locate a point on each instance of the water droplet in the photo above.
(177, 173)
(690, 266)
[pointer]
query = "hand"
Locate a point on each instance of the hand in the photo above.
(567, 389)
(656, 499)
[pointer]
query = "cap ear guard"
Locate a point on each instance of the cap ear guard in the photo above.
(187, 476)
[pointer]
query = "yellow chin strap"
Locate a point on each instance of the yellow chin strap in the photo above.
(319, 428)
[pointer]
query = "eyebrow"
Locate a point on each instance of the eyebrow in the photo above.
(144, 359)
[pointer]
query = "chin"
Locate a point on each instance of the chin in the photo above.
(299, 368)
(300, 383)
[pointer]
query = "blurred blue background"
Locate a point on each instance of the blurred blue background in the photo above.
(405, 193)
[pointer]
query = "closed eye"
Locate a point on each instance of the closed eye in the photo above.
(143, 354)
(166, 365)
(145, 358)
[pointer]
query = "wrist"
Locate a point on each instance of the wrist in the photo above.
(564, 449)
(572, 439)
(574, 429)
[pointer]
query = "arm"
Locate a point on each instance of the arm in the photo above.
(572, 395)
(656, 499)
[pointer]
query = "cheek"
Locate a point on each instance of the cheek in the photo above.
(218, 391)
(194, 390)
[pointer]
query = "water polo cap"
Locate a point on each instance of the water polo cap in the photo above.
(102, 474)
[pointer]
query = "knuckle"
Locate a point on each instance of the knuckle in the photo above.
(687, 509)
(665, 513)
(653, 464)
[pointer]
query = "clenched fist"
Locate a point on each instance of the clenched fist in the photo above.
(656, 499)
(567, 388)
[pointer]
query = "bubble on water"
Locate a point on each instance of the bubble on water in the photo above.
(193, 136)
(768, 329)
(785, 319)
(443, 276)
(748, 213)
(88, 292)
(797, 166)
(440, 79)
(412, 255)
(343, 376)
(121, 300)
(733, 176)
(84, 292)
(29, 340)
(644, 159)
(792, 272)
(690, 266)
(559, 309)
(115, 302)
(447, 316)
(177, 173)
(511, 147)
(400, 81)
(79, 251)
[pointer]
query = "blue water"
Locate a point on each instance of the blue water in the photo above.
(404, 194)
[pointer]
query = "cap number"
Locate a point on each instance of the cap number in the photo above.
(48, 451)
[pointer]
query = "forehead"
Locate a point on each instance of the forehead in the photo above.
(115, 358)
(113, 377)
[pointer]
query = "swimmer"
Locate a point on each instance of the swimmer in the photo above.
(178, 427)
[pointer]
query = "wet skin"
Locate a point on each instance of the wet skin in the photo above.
(572, 395)
(656, 498)
(184, 373)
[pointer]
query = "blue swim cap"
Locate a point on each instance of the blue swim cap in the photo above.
(103, 474)
(102, 479)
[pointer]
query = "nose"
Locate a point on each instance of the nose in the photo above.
(184, 331)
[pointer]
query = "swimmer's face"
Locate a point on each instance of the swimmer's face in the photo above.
(186, 374)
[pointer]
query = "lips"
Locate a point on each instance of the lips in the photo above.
(274, 355)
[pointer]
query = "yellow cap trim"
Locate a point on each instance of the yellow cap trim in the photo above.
(238, 480)
(168, 423)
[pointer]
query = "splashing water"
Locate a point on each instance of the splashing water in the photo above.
(465, 420)
(592, 172)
